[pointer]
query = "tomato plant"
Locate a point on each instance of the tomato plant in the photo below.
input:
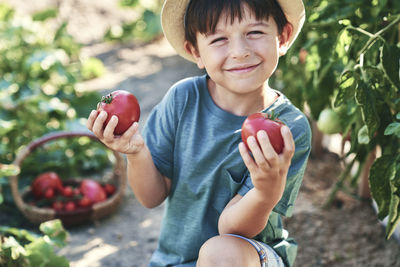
(263, 121)
(145, 28)
(347, 56)
(40, 66)
(20, 247)
(329, 122)
(122, 104)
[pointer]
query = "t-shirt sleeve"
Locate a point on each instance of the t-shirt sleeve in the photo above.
(159, 133)
(301, 132)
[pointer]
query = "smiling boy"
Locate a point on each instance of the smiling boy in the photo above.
(223, 203)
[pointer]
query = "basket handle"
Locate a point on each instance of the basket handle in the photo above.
(46, 138)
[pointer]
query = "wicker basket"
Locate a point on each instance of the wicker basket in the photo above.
(69, 218)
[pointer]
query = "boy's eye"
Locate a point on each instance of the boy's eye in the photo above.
(255, 32)
(216, 40)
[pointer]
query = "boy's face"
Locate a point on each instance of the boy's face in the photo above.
(241, 56)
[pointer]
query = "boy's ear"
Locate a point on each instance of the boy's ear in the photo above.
(284, 39)
(190, 49)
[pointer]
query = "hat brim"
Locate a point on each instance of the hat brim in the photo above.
(173, 14)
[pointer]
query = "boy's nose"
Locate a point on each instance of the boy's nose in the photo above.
(239, 49)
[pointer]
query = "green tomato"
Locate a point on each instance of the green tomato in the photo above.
(329, 122)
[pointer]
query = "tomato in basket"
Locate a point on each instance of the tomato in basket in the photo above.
(46, 185)
(93, 191)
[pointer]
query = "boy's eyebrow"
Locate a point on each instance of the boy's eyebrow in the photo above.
(259, 23)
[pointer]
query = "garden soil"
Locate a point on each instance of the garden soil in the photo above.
(347, 234)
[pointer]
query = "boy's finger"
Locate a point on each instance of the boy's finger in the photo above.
(247, 159)
(257, 152)
(92, 117)
(109, 130)
(131, 131)
(289, 145)
(98, 124)
(267, 148)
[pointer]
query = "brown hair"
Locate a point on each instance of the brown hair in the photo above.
(203, 15)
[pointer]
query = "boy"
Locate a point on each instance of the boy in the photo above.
(223, 201)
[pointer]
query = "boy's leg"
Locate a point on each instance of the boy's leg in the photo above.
(226, 250)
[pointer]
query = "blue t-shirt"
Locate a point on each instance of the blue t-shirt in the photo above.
(195, 144)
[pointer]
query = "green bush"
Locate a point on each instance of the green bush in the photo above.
(21, 248)
(39, 68)
(145, 28)
(347, 58)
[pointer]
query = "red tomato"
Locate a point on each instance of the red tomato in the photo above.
(70, 206)
(68, 191)
(263, 121)
(122, 104)
(84, 202)
(93, 191)
(49, 194)
(109, 189)
(76, 192)
(57, 205)
(45, 181)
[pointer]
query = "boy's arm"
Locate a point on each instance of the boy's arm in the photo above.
(149, 186)
(248, 215)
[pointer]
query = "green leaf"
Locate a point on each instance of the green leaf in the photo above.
(128, 3)
(16, 249)
(21, 234)
(366, 99)
(92, 68)
(6, 126)
(346, 88)
(390, 59)
(394, 208)
(393, 128)
(41, 253)
(45, 14)
(363, 137)
(6, 12)
(382, 171)
(55, 231)
(8, 170)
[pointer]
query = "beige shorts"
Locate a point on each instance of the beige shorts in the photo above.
(268, 256)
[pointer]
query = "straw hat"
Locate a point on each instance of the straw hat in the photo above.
(173, 13)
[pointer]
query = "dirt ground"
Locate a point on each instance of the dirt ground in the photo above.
(348, 234)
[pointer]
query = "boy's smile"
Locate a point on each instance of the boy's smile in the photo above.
(239, 57)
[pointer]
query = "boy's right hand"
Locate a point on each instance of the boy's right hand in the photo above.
(130, 142)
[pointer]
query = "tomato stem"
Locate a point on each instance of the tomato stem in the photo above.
(107, 99)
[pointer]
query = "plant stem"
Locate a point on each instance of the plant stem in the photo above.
(378, 34)
(339, 183)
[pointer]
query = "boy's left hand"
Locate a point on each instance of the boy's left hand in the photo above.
(268, 169)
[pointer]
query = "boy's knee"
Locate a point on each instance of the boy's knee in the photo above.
(224, 251)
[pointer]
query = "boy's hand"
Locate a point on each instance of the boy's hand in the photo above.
(267, 169)
(130, 142)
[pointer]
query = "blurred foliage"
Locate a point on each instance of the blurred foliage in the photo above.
(144, 28)
(40, 65)
(347, 59)
(19, 247)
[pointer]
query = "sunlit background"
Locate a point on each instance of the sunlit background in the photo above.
(58, 57)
